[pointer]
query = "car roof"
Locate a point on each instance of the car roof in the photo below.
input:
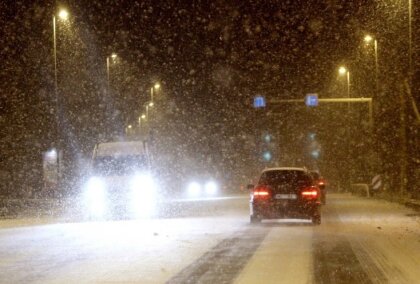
(285, 169)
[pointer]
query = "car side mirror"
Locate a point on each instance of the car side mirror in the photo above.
(250, 186)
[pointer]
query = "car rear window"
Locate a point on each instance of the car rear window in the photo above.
(285, 177)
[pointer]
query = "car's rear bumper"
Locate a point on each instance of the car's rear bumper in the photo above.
(284, 209)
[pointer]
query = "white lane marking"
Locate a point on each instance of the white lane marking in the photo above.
(285, 256)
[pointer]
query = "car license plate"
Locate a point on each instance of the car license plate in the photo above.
(286, 196)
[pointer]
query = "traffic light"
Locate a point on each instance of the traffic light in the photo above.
(314, 146)
(267, 149)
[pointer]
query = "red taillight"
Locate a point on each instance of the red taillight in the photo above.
(321, 182)
(261, 192)
(310, 193)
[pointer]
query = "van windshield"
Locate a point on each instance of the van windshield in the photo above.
(118, 166)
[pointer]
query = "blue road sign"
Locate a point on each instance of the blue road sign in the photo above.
(259, 102)
(311, 100)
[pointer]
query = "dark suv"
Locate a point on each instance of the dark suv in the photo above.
(285, 193)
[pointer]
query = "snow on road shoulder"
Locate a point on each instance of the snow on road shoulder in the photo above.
(384, 234)
(150, 251)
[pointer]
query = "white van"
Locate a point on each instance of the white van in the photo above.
(120, 181)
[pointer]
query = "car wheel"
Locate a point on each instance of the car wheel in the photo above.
(255, 220)
(316, 219)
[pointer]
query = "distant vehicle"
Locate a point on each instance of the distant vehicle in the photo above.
(320, 181)
(202, 188)
(121, 181)
(285, 193)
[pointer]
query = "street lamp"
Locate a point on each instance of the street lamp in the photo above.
(62, 15)
(155, 87)
(128, 129)
(114, 57)
(368, 39)
(141, 118)
(343, 71)
(410, 41)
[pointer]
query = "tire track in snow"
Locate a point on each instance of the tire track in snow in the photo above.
(334, 259)
(335, 262)
(222, 263)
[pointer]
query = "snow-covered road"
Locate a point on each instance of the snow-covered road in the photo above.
(360, 241)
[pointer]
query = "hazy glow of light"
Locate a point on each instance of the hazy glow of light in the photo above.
(315, 154)
(52, 154)
(63, 14)
(113, 55)
(95, 196)
(267, 156)
(211, 187)
(143, 195)
(151, 104)
(368, 38)
(342, 70)
(194, 189)
(157, 86)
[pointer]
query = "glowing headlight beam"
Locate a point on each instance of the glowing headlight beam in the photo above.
(142, 182)
(194, 189)
(211, 188)
(95, 196)
(143, 195)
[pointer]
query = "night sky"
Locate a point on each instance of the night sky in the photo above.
(211, 58)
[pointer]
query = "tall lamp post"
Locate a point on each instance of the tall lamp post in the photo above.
(62, 15)
(368, 39)
(141, 118)
(410, 41)
(342, 71)
(155, 87)
(113, 56)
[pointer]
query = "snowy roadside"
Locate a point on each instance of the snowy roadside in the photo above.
(392, 197)
(34, 207)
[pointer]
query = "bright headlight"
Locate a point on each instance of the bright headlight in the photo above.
(95, 196)
(143, 195)
(211, 187)
(142, 182)
(194, 189)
